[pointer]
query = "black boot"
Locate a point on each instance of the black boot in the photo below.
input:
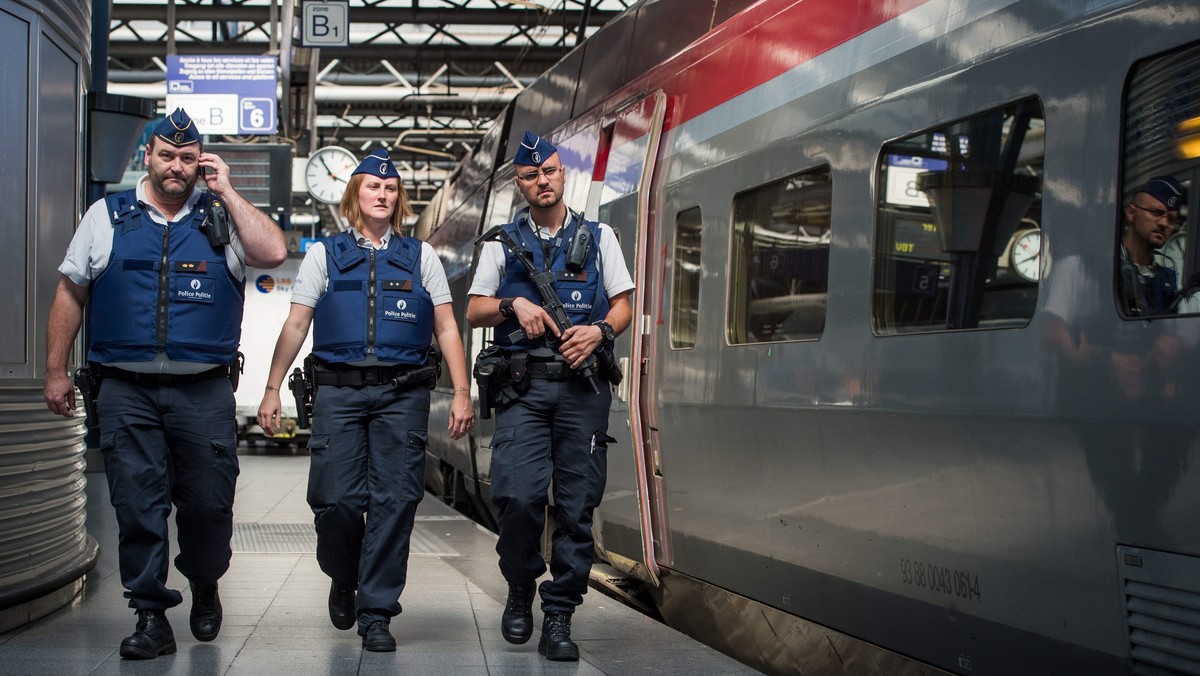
(517, 623)
(556, 643)
(341, 605)
(153, 637)
(378, 638)
(206, 611)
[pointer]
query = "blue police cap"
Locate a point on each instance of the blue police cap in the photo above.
(533, 151)
(378, 164)
(178, 129)
(1165, 189)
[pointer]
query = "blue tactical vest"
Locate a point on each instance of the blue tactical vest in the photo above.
(582, 293)
(374, 304)
(1160, 290)
(166, 289)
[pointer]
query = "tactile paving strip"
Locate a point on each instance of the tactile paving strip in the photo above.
(301, 538)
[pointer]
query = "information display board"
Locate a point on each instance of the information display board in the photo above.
(233, 95)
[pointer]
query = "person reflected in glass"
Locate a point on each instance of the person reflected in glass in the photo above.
(1148, 283)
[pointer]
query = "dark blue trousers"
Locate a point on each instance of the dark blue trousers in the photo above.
(368, 458)
(164, 445)
(557, 430)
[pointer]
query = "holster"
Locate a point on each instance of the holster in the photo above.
(607, 365)
(235, 370)
(426, 375)
(89, 386)
(491, 372)
(303, 387)
(434, 358)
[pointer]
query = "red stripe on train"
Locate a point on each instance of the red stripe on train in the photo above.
(760, 44)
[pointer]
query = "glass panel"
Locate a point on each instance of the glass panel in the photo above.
(578, 155)
(502, 208)
(779, 265)
(958, 228)
(685, 285)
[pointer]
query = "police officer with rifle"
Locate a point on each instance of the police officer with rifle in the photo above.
(556, 289)
(375, 300)
(162, 269)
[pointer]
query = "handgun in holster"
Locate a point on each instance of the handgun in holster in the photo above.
(236, 369)
(491, 372)
(607, 366)
(303, 387)
(434, 358)
(89, 386)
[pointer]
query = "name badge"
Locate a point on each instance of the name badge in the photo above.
(568, 276)
(193, 289)
(397, 308)
(397, 285)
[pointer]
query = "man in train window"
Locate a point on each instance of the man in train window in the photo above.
(552, 407)
(1148, 281)
(162, 268)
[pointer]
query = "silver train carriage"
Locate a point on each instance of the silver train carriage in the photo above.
(886, 408)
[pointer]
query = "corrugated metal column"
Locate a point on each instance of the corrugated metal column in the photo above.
(44, 547)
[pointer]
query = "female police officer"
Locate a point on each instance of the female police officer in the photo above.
(375, 300)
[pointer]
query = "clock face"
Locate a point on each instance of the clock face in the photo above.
(1025, 256)
(327, 173)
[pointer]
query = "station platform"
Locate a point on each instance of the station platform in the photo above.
(275, 617)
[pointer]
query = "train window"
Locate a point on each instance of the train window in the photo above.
(685, 281)
(578, 155)
(779, 260)
(1156, 261)
(958, 224)
(501, 207)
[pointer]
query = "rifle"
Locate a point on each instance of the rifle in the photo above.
(551, 303)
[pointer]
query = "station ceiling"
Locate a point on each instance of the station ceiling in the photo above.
(424, 78)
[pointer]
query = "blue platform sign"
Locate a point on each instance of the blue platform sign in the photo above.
(224, 94)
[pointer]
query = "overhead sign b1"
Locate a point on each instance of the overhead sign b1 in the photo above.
(224, 94)
(326, 23)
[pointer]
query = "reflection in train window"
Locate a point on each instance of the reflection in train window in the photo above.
(779, 260)
(501, 207)
(1157, 261)
(685, 284)
(958, 238)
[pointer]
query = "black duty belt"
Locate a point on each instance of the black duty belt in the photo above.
(358, 376)
(549, 370)
(104, 371)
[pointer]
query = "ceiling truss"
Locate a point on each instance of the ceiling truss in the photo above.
(424, 78)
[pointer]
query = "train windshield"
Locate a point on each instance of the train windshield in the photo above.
(958, 233)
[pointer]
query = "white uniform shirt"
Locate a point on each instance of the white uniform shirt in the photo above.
(490, 270)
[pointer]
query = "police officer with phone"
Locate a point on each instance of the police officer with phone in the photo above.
(161, 268)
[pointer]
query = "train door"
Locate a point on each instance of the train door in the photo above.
(631, 524)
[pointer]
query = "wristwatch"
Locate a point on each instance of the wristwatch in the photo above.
(606, 330)
(506, 307)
